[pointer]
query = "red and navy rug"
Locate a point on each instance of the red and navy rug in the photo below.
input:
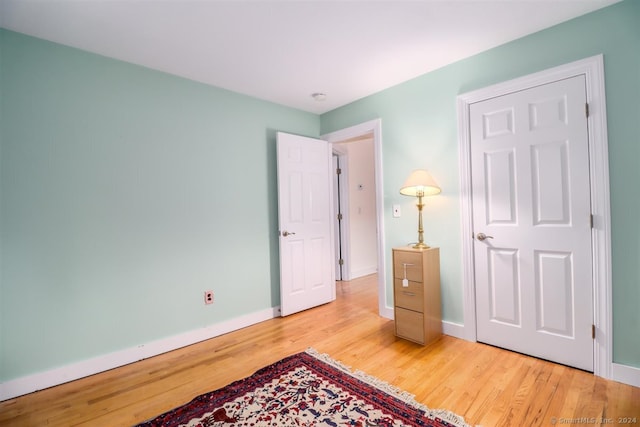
(306, 389)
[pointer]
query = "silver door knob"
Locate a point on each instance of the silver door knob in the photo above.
(482, 236)
(286, 233)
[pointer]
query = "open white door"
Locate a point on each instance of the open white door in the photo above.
(304, 215)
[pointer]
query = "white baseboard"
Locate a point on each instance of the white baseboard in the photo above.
(622, 373)
(387, 313)
(453, 329)
(625, 374)
(30, 383)
(361, 272)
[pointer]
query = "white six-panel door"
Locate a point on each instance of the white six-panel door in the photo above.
(304, 215)
(531, 198)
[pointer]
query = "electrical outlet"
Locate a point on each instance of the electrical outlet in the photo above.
(208, 297)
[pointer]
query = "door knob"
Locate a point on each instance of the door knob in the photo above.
(482, 236)
(286, 233)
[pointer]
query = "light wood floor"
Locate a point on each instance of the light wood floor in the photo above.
(486, 385)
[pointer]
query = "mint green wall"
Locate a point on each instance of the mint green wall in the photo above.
(116, 210)
(419, 131)
(125, 194)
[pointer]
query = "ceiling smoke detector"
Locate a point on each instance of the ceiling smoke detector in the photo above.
(318, 96)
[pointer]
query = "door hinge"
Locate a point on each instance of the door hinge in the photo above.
(593, 332)
(338, 171)
(591, 220)
(339, 217)
(586, 109)
(341, 261)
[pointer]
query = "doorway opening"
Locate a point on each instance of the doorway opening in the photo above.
(358, 151)
(355, 207)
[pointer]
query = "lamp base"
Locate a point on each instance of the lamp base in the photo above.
(421, 246)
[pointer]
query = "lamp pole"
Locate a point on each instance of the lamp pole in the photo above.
(420, 244)
(420, 184)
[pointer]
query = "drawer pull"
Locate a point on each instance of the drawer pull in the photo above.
(409, 294)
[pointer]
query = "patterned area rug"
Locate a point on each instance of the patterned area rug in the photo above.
(306, 389)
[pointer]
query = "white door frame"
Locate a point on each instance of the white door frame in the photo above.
(375, 127)
(343, 197)
(593, 69)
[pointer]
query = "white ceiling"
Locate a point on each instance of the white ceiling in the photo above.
(283, 51)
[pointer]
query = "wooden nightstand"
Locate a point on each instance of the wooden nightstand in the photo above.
(417, 309)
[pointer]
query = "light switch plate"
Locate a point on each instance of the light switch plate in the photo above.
(396, 211)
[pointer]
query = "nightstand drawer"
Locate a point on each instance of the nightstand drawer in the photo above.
(410, 325)
(410, 297)
(411, 261)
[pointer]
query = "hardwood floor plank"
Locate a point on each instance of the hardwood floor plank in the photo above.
(486, 385)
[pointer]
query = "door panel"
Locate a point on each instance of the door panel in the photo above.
(304, 205)
(500, 198)
(531, 197)
(504, 286)
(554, 293)
(550, 166)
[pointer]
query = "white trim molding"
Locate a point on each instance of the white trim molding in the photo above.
(625, 374)
(85, 368)
(375, 127)
(345, 235)
(593, 70)
(452, 329)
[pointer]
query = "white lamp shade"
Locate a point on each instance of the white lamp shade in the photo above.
(420, 181)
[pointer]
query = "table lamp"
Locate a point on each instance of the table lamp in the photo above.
(419, 184)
